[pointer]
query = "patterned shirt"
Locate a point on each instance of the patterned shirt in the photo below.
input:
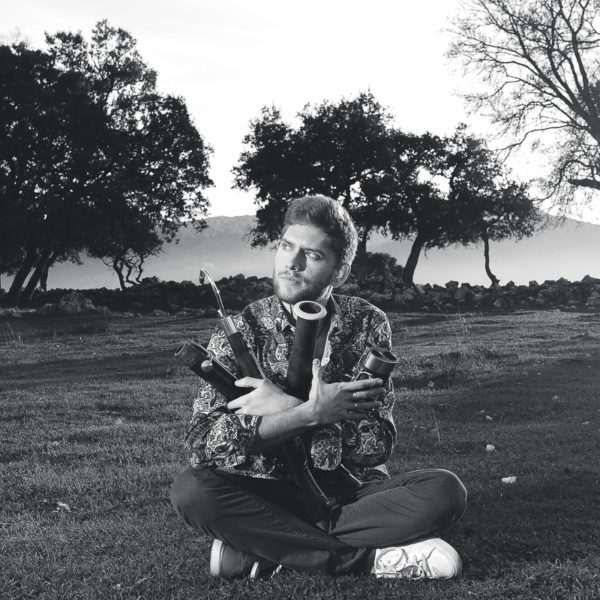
(222, 439)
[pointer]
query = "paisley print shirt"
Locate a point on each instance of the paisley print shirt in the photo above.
(222, 439)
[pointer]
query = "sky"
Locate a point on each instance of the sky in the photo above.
(228, 58)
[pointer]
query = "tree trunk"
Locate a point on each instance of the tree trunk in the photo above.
(32, 284)
(138, 277)
(118, 267)
(486, 254)
(44, 278)
(361, 249)
(14, 293)
(413, 258)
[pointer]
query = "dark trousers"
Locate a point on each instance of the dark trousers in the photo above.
(266, 517)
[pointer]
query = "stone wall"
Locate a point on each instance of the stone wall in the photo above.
(384, 290)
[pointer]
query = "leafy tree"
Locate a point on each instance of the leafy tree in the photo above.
(483, 197)
(341, 150)
(414, 204)
(537, 61)
(130, 241)
(452, 191)
(133, 165)
(397, 183)
(46, 123)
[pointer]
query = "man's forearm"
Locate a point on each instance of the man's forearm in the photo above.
(276, 428)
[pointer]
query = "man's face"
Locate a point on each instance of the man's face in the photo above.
(305, 265)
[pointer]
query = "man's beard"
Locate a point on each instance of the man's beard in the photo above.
(305, 290)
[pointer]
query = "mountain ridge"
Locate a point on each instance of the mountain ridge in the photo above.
(568, 250)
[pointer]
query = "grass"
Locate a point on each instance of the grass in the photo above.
(94, 411)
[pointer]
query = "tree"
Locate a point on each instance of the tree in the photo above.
(397, 183)
(136, 155)
(130, 241)
(452, 191)
(341, 150)
(483, 197)
(413, 204)
(46, 123)
(538, 64)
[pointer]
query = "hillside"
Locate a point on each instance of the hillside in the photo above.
(570, 250)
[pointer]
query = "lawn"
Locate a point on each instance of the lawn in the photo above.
(94, 409)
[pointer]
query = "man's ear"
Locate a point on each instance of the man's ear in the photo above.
(341, 275)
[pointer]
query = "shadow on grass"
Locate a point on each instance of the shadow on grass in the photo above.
(125, 366)
(546, 519)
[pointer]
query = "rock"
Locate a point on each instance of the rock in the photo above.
(47, 309)
(75, 303)
(157, 312)
(593, 300)
(463, 294)
(16, 313)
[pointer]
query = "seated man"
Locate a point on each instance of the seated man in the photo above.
(238, 490)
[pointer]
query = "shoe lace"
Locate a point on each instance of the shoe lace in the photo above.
(411, 567)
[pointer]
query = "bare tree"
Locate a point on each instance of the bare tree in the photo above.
(538, 63)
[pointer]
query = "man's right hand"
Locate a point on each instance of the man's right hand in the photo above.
(334, 402)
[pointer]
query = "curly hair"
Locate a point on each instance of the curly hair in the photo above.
(330, 217)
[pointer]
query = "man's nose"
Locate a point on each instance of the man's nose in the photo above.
(297, 261)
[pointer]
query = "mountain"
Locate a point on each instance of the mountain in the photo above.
(570, 250)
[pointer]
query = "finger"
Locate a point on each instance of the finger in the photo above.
(248, 382)
(361, 384)
(366, 394)
(361, 409)
(237, 403)
(365, 406)
(354, 415)
(316, 369)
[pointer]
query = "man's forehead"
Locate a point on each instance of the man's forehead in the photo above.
(308, 236)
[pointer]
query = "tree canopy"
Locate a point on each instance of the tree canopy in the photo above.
(537, 63)
(342, 150)
(94, 158)
(421, 187)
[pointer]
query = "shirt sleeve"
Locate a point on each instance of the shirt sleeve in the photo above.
(369, 442)
(217, 437)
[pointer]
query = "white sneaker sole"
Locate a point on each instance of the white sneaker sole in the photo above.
(215, 558)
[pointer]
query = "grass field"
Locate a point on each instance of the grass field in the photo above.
(94, 409)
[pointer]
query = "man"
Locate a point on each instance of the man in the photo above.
(238, 490)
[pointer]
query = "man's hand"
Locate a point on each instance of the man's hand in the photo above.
(265, 399)
(334, 402)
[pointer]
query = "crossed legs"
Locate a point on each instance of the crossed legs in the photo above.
(265, 517)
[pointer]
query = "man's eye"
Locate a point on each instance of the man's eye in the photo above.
(284, 245)
(313, 255)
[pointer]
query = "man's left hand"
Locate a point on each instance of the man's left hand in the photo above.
(265, 399)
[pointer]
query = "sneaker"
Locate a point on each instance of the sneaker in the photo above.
(229, 563)
(429, 559)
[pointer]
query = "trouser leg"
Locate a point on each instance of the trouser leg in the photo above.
(403, 509)
(240, 517)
